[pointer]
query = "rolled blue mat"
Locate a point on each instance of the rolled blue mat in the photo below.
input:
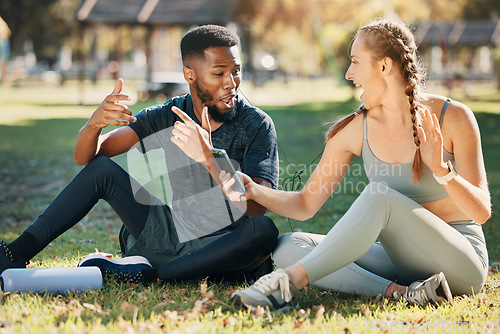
(51, 280)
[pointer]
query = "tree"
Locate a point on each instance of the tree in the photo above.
(482, 9)
(307, 35)
(46, 23)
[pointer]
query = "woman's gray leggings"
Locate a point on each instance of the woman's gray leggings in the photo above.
(412, 245)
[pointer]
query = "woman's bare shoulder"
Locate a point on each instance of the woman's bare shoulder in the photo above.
(456, 112)
(350, 137)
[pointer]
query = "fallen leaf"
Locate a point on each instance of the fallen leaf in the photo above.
(203, 288)
(75, 308)
(301, 313)
(259, 312)
(124, 325)
(128, 307)
(319, 315)
(209, 294)
(33, 264)
(365, 310)
(298, 323)
(161, 304)
(92, 307)
(417, 320)
(172, 315)
(198, 308)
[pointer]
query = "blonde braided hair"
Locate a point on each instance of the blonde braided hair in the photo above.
(393, 38)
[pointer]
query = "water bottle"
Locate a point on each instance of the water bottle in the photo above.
(51, 280)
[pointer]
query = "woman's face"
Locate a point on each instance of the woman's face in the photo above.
(366, 72)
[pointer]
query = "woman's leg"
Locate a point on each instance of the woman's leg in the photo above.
(370, 275)
(101, 178)
(418, 243)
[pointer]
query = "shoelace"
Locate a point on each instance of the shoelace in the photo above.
(6, 250)
(417, 296)
(274, 280)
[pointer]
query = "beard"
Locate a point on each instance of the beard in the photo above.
(214, 112)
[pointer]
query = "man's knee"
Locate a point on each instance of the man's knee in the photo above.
(265, 233)
(101, 161)
(100, 165)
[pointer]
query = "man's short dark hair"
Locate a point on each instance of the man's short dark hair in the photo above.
(197, 40)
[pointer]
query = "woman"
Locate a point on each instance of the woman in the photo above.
(425, 203)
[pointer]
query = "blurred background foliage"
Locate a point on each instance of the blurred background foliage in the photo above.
(48, 24)
(283, 28)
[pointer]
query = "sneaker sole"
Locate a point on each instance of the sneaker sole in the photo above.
(126, 269)
(122, 261)
(237, 302)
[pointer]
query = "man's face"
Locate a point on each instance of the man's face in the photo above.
(217, 78)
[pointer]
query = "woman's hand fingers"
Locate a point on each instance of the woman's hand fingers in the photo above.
(421, 135)
(431, 140)
(227, 183)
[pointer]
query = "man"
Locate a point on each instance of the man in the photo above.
(239, 245)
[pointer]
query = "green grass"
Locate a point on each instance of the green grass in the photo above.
(38, 127)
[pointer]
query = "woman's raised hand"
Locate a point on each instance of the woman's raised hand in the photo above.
(431, 141)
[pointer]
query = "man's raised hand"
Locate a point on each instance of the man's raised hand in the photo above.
(192, 139)
(112, 111)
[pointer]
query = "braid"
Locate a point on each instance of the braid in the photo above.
(394, 39)
(342, 123)
(410, 72)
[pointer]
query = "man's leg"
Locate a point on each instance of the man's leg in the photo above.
(101, 178)
(236, 253)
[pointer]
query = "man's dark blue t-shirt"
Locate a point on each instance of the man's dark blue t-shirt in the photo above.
(197, 204)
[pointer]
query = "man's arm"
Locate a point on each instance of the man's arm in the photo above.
(90, 142)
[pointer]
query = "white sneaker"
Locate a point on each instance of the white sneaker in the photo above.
(273, 290)
(435, 290)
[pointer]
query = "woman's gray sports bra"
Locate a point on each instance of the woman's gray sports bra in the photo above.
(400, 176)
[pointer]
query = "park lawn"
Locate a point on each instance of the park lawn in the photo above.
(36, 162)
